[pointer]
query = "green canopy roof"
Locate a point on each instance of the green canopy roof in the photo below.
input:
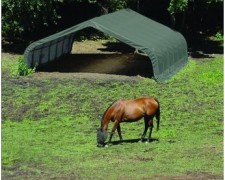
(166, 48)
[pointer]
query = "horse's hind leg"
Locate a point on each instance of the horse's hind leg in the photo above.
(145, 130)
(150, 122)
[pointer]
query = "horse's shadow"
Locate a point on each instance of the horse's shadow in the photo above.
(131, 141)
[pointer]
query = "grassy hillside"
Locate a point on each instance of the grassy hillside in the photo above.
(50, 122)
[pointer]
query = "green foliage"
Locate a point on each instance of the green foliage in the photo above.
(218, 36)
(23, 70)
(118, 4)
(22, 17)
(177, 6)
(29, 19)
(15, 66)
(113, 5)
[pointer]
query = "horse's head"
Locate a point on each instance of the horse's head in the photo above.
(101, 137)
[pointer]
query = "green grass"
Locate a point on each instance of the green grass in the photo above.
(49, 126)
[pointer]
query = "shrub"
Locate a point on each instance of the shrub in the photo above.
(218, 36)
(23, 69)
(23, 18)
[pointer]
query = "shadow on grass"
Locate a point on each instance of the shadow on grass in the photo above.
(131, 141)
(202, 46)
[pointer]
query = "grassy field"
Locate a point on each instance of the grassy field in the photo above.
(50, 122)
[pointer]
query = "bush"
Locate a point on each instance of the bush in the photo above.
(23, 69)
(25, 17)
(218, 36)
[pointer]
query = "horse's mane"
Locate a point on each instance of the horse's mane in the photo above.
(106, 111)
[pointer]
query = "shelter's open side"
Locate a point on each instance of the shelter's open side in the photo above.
(103, 57)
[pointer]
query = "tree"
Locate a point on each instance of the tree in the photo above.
(177, 6)
(181, 7)
(20, 18)
(106, 5)
(111, 5)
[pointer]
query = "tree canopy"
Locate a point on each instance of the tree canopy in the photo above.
(38, 18)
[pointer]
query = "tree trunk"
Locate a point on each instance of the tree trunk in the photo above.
(182, 28)
(138, 6)
(173, 21)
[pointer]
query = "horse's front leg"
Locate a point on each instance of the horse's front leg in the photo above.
(119, 133)
(116, 123)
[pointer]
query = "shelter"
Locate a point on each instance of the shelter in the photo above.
(166, 48)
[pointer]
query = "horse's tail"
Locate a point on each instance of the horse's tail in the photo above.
(158, 114)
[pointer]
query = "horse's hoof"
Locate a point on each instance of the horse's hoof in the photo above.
(106, 146)
(100, 145)
(146, 142)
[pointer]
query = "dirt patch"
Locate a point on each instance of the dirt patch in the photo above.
(83, 76)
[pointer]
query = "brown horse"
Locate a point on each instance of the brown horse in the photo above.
(129, 111)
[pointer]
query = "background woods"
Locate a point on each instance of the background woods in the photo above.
(32, 20)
